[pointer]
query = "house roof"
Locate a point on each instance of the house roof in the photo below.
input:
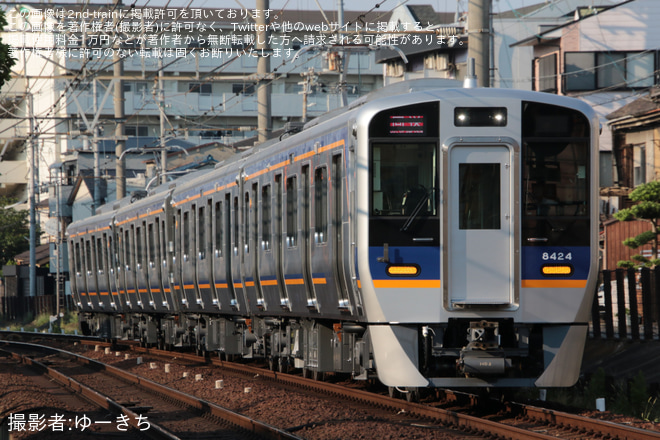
(42, 256)
(555, 32)
(642, 112)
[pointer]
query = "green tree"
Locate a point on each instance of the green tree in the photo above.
(647, 209)
(14, 231)
(6, 61)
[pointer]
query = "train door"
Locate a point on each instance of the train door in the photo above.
(165, 260)
(103, 271)
(78, 246)
(177, 256)
(268, 261)
(143, 292)
(249, 252)
(306, 248)
(131, 281)
(237, 254)
(113, 274)
(189, 259)
(90, 272)
(291, 260)
(278, 248)
(480, 234)
(337, 215)
(153, 266)
(204, 246)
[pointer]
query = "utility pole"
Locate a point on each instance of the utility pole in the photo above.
(309, 80)
(161, 106)
(32, 188)
(343, 55)
(264, 122)
(479, 39)
(97, 159)
(118, 95)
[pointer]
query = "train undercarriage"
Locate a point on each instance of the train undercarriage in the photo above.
(458, 349)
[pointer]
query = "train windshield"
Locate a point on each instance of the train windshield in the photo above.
(404, 177)
(555, 176)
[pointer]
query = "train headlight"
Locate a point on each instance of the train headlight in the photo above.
(403, 270)
(561, 270)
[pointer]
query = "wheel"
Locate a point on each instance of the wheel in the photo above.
(412, 394)
(282, 365)
(392, 391)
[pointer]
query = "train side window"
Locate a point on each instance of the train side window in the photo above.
(134, 247)
(218, 228)
(104, 254)
(321, 205)
(235, 228)
(201, 235)
(151, 244)
(77, 257)
(99, 255)
(291, 211)
(162, 244)
(186, 235)
(128, 259)
(139, 251)
(246, 220)
(88, 257)
(265, 217)
(208, 243)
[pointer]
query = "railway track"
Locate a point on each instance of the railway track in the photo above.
(158, 412)
(508, 421)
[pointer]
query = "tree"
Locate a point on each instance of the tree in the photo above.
(647, 209)
(6, 61)
(14, 231)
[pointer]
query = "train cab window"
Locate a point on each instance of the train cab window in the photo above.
(555, 176)
(291, 211)
(320, 205)
(403, 178)
(265, 217)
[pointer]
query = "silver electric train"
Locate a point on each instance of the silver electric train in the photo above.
(426, 236)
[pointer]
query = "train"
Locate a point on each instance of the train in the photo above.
(425, 236)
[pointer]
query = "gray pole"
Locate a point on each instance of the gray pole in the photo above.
(264, 123)
(97, 159)
(479, 39)
(343, 55)
(161, 106)
(118, 96)
(32, 188)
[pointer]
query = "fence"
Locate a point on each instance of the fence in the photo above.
(627, 305)
(18, 308)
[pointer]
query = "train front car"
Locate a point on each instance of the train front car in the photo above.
(477, 236)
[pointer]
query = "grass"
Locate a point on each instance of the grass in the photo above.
(41, 323)
(632, 397)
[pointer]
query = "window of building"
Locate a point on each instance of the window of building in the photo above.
(613, 70)
(245, 89)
